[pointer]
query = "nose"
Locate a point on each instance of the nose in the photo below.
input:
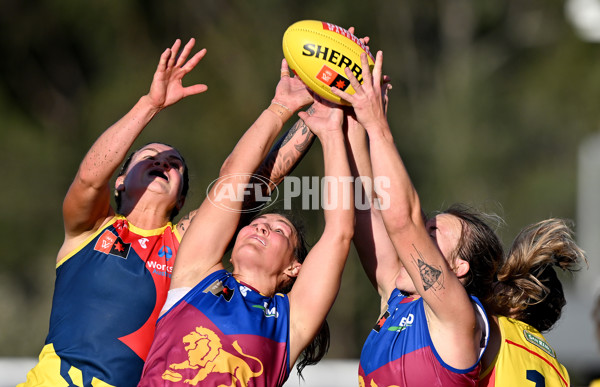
(162, 163)
(262, 228)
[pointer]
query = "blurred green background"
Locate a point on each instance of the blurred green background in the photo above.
(490, 102)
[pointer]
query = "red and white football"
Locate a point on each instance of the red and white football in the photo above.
(318, 52)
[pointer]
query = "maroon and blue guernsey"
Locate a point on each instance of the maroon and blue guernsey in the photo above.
(399, 350)
(221, 333)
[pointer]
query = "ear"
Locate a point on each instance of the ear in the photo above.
(180, 203)
(461, 267)
(293, 269)
(120, 183)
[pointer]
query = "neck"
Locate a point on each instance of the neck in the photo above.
(146, 219)
(257, 281)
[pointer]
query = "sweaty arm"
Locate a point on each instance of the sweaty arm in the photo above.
(87, 202)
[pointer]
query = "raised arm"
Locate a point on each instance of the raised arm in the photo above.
(319, 280)
(451, 317)
(87, 202)
(281, 161)
(375, 249)
(215, 222)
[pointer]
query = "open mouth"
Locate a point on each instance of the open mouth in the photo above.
(159, 173)
(260, 240)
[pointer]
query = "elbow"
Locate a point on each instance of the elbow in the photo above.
(227, 167)
(398, 221)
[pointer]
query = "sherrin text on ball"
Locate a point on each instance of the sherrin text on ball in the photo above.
(318, 52)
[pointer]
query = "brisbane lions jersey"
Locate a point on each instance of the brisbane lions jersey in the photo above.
(399, 350)
(221, 333)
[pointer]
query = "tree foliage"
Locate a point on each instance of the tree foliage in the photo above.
(490, 102)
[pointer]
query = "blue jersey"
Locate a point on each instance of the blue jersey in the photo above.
(107, 297)
(221, 332)
(399, 350)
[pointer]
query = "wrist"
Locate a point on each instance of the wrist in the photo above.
(146, 102)
(283, 112)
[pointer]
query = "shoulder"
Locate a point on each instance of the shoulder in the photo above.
(73, 242)
(184, 223)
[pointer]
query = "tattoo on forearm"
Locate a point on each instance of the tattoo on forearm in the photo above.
(431, 277)
(183, 222)
(308, 140)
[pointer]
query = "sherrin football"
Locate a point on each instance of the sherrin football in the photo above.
(318, 53)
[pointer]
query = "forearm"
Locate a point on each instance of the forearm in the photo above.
(110, 149)
(254, 145)
(375, 249)
(285, 155)
(339, 211)
(400, 206)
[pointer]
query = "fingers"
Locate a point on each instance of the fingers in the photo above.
(342, 94)
(186, 51)
(365, 40)
(174, 51)
(285, 70)
(366, 73)
(378, 66)
(190, 64)
(195, 89)
(164, 57)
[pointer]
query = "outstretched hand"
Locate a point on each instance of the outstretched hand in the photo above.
(291, 92)
(370, 99)
(326, 117)
(167, 87)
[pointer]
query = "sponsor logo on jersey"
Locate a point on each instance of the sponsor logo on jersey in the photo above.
(109, 243)
(218, 289)
(143, 241)
(244, 290)
(165, 251)
(405, 322)
(269, 312)
(539, 342)
(381, 321)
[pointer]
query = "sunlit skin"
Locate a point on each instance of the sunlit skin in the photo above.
(445, 230)
(265, 248)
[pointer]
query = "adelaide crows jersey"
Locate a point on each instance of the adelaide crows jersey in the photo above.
(107, 297)
(524, 358)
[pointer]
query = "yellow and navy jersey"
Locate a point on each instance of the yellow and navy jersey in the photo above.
(524, 359)
(107, 297)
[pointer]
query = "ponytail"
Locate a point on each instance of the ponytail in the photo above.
(527, 286)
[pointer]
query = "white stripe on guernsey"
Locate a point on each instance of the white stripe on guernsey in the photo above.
(173, 296)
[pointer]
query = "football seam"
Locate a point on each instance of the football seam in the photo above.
(343, 43)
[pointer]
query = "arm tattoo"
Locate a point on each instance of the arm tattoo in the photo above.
(182, 223)
(431, 277)
(282, 160)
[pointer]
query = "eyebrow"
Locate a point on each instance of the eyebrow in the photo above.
(156, 151)
(285, 222)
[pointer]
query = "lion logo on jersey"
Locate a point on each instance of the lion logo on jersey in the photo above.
(361, 383)
(206, 354)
